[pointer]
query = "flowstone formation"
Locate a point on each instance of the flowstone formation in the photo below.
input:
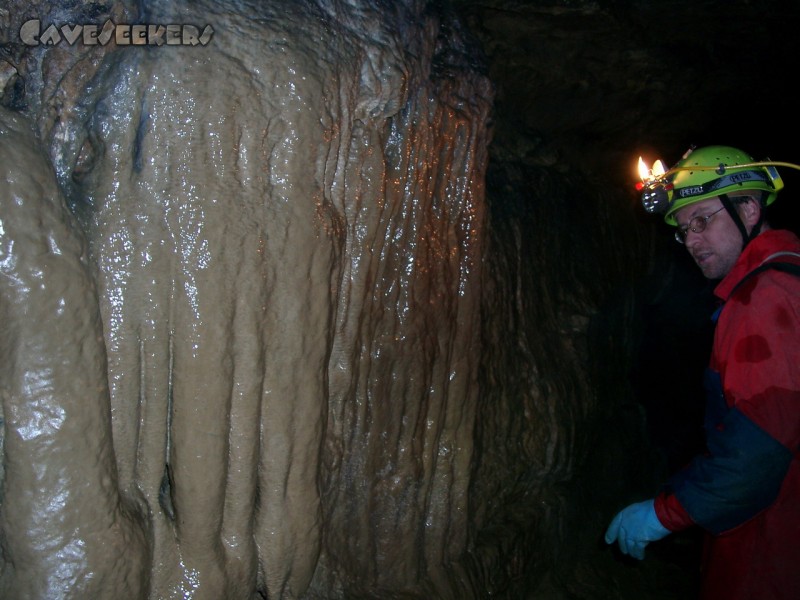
(240, 301)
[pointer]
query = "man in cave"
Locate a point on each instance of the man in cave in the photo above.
(744, 490)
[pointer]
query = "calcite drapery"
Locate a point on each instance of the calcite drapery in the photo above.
(284, 232)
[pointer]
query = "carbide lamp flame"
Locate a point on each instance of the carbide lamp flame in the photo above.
(648, 175)
(644, 171)
(655, 195)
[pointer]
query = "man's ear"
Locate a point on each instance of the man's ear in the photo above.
(750, 211)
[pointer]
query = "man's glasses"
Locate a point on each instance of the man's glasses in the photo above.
(697, 225)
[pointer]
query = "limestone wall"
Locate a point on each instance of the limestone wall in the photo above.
(240, 301)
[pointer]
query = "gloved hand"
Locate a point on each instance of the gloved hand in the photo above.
(634, 527)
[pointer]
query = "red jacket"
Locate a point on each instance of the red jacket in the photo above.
(745, 491)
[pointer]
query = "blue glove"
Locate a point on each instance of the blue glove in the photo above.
(634, 527)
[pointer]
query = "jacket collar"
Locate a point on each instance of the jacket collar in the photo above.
(756, 252)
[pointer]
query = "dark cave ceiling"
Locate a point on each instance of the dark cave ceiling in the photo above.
(591, 85)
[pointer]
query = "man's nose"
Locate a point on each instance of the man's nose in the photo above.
(691, 238)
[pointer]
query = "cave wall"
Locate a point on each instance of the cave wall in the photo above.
(276, 372)
(264, 334)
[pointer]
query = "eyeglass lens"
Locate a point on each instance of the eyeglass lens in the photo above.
(697, 225)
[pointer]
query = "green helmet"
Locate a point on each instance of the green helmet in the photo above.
(719, 176)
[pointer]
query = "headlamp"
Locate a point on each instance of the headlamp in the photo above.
(656, 197)
(655, 186)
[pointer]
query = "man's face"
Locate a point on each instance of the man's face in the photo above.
(715, 249)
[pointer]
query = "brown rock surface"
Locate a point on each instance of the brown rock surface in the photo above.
(285, 228)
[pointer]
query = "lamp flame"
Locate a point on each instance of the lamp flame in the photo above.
(646, 174)
(644, 171)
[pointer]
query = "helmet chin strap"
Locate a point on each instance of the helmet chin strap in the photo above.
(731, 209)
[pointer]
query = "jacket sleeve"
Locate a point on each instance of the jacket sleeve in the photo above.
(739, 477)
